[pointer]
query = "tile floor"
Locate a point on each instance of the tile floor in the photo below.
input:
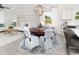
(14, 48)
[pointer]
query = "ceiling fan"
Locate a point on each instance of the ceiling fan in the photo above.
(3, 7)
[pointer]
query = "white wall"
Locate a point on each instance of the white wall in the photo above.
(63, 13)
(68, 14)
(27, 16)
(9, 17)
(27, 11)
(1, 16)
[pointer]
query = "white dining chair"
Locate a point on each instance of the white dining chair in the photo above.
(47, 39)
(30, 41)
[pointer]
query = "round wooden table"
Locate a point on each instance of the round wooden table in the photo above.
(37, 31)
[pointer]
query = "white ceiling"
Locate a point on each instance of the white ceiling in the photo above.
(18, 7)
(21, 7)
(28, 6)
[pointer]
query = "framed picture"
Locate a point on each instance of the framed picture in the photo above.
(48, 18)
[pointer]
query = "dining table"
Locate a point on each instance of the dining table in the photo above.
(37, 31)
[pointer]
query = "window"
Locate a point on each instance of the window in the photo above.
(77, 16)
(1, 25)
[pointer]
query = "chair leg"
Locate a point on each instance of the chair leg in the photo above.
(67, 49)
(44, 39)
(51, 38)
